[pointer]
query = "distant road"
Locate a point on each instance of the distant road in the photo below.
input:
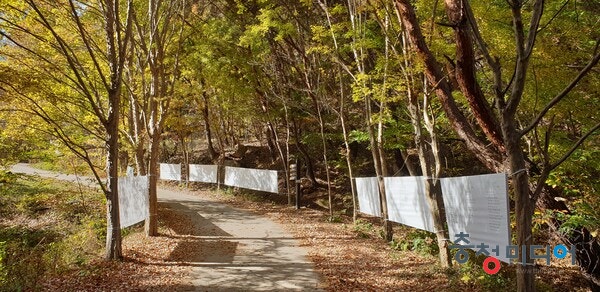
(26, 168)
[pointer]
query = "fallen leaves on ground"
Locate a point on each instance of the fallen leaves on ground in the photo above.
(346, 261)
(147, 265)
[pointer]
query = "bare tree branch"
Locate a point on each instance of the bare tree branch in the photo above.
(524, 47)
(72, 64)
(85, 38)
(560, 96)
(575, 147)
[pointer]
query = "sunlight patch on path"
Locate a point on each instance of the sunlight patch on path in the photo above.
(229, 249)
(248, 252)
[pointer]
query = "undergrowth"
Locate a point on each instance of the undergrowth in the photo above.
(363, 228)
(46, 227)
(420, 241)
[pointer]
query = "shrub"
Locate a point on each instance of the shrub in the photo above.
(363, 228)
(2, 259)
(472, 273)
(420, 241)
(23, 263)
(28, 253)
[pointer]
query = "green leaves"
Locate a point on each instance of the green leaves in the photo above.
(268, 21)
(359, 136)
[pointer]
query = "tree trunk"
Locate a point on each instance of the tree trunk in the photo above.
(208, 134)
(270, 136)
(186, 159)
(113, 232)
(431, 169)
(348, 153)
(155, 131)
(220, 133)
(151, 224)
(156, 94)
(488, 156)
(113, 224)
(116, 49)
(285, 160)
(433, 189)
(465, 74)
(402, 161)
(272, 141)
(325, 161)
(433, 193)
(348, 156)
(310, 172)
(387, 225)
(310, 169)
(379, 171)
(136, 130)
(140, 158)
(523, 206)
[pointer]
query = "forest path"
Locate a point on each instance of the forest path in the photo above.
(229, 249)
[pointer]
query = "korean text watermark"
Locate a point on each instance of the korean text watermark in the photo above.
(462, 243)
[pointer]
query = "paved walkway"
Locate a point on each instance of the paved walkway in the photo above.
(240, 251)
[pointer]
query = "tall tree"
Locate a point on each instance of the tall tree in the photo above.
(95, 74)
(501, 127)
(364, 90)
(336, 57)
(159, 36)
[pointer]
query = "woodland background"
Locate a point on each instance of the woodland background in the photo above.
(349, 88)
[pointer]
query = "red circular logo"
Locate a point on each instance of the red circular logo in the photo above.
(486, 265)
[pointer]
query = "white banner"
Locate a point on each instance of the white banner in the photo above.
(478, 205)
(367, 190)
(406, 202)
(254, 179)
(133, 199)
(203, 173)
(170, 171)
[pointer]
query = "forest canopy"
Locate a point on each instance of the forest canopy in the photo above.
(350, 88)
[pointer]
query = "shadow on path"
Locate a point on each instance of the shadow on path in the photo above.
(226, 249)
(229, 249)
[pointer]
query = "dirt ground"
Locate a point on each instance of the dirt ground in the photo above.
(199, 249)
(229, 249)
(348, 259)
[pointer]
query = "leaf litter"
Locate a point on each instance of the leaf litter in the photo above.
(344, 260)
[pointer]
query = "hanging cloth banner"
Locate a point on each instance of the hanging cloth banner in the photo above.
(203, 173)
(478, 206)
(170, 171)
(367, 190)
(407, 203)
(254, 179)
(133, 200)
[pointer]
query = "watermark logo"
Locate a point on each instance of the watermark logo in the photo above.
(462, 243)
